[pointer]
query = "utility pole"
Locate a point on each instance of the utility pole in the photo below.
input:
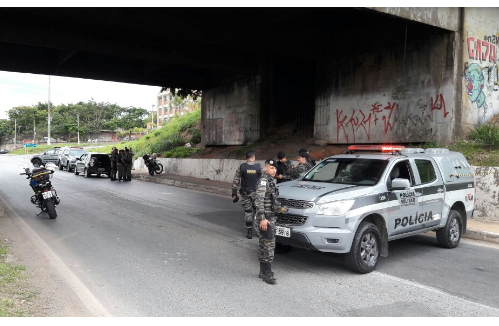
(78, 119)
(48, 140)
(34, 132)
(15, 133)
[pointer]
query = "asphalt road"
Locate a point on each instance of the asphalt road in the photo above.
(145, 249)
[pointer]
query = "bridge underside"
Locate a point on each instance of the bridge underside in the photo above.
(265, 72)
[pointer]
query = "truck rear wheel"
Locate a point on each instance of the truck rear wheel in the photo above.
(450, 235)
(364, 254)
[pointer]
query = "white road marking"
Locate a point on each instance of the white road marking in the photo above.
(88, 299)
(433, 290)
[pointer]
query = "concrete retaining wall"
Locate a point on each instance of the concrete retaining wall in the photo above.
(487, 193)
(487, 179)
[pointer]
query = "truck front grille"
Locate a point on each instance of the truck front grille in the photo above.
(291, 219)
(300, 204)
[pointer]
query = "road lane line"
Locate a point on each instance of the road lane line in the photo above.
(88, 299)
(434, 290)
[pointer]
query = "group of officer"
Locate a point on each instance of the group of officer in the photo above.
(259, 198)
(121, 163)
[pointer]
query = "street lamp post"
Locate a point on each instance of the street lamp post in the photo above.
(78, 119)
(48, 140)
(152, 117)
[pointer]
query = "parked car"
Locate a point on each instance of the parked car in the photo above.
(93, 163)
(3, 151)
(50, 156)
(68, 156)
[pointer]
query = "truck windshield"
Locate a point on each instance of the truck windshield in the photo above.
(352, 171)
(77, 152)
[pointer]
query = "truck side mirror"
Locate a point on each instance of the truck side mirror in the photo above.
(400, 184)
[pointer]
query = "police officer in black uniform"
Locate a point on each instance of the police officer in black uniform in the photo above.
(247, 175)
(309, 158)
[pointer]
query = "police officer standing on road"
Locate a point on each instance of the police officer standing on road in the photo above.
(128, 165)
(283, 165)
(114, 163)
(247, 175)
(303, 166)
(266, 207)
(120, 159)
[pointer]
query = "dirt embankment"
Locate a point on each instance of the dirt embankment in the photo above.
(269, 149)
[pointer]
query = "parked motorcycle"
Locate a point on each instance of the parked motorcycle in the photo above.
(152, 164)
(45, 196)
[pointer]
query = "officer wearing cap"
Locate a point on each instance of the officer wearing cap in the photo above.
(303, 166)
(114, 163)
(309, 159)
(283, 165)
(266, 207)
(247, 175)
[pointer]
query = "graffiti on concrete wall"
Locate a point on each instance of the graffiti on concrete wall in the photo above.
(381, 119)
(481, 74)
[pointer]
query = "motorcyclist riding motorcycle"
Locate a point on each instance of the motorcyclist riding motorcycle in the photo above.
(45, 196)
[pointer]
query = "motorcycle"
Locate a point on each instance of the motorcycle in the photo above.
(45, 196)
(152, 164)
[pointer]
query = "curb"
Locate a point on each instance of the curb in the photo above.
(470, 233)
(187, 185)
(481, 235)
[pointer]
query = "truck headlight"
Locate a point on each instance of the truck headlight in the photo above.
(335, 208)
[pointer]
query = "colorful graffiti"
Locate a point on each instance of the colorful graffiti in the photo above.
(474, 85)
(381, 118)
(482, 75)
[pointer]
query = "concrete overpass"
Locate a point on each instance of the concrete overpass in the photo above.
(340, 75)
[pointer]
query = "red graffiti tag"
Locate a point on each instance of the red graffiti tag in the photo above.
(481, 50)
(438, 104)
(386, 120)
(340, 124)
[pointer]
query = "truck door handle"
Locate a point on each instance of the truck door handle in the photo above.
(418, 194)
(440, 190)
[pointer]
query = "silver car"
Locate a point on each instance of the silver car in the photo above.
(50, 156)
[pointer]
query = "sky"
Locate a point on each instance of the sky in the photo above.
(18, 89)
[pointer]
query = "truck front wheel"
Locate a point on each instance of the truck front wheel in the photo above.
(364, 254)
(450, 235)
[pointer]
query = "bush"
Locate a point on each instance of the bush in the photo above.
(181, 152)
(487, 135)
(165, 144)
(196, 136)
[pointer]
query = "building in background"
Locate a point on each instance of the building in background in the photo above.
(169, 105)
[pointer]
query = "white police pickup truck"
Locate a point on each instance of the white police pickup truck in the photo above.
(355, 203)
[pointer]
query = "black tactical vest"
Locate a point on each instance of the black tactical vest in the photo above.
(250, 173)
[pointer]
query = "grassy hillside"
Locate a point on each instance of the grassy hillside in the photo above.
(169, 141)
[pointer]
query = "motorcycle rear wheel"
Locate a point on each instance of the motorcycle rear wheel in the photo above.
(49, 203)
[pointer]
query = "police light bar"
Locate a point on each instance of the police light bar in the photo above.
(377, 148)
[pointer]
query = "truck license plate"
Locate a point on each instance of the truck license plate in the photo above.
(47, 194)
(282, 231)
(101, 169)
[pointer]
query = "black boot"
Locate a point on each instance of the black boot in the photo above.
(249, 230)
(262, 270)
(249, 233)
(268, 276)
